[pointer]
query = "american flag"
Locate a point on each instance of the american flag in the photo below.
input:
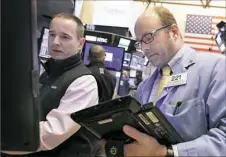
(200, 32)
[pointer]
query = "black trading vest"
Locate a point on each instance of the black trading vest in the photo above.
(105, 80)
(54, 83)
(56, 79)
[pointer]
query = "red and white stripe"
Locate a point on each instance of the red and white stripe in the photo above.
(202, 42)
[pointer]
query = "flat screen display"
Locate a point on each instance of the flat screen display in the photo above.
(127, 58)
(132, 73)
(132, 81)
(137, 62)
(114, 56)
(124, 43)
(220, 42)
(43, 51)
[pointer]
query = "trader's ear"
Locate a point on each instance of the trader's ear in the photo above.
(81, 43)
(174, 31)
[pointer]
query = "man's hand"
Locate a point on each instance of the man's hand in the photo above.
(144, 145)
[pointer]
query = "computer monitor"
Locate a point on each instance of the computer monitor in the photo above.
(114, 56)
(220, 42)
(137, 62)
(20, 75)
(124, 43)
(132, 82)
(132, 73)
(117, 74)
(127, 58)
(43, 48)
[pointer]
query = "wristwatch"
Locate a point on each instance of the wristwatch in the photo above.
(170, 152)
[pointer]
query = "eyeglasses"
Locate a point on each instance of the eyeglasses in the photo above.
(148, 38)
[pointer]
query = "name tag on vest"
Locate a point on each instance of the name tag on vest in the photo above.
(176, 80)
(101, 70)
(53, 87)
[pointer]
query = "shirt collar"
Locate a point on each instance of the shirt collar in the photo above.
(177, 57)
(174, 61)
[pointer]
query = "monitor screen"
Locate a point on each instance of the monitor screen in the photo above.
(137, 62)
(132, 73)
(220, 43)
(127, 58)
(117, 74)
(124, 43)
(43, 51)
(132, 81)
(114, 56)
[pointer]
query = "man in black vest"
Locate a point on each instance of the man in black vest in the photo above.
(105, 80)
(67, 86)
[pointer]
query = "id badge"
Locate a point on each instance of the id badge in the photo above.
(176, 80)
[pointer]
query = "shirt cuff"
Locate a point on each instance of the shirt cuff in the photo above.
(175, 151)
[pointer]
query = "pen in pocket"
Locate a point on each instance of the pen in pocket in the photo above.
(177, 106)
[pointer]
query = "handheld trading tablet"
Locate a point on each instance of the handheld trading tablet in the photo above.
(107, 119)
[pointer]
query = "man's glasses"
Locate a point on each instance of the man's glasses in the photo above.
(148, 38)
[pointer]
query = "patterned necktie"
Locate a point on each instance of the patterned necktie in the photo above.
(165, 74)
